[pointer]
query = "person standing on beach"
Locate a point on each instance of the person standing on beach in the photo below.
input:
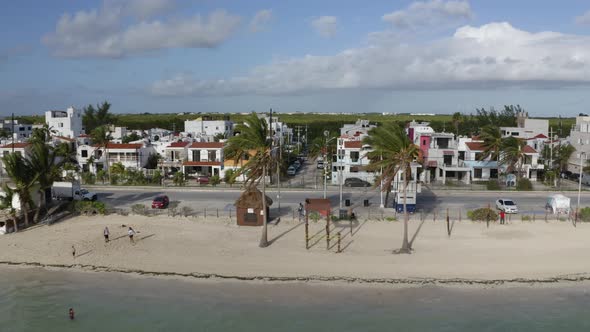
(106, 234)
(131, 232)
(73, 251)
(502, 217)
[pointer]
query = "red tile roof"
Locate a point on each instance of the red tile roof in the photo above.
(201, 163)
(16, 145)
(540, 136)
(178, 144)
(527, 149)
(115, 146)
(206, 145)
(83, 135)
(353, 144)
(475, 146)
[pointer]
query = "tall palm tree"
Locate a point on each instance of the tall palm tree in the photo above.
(563, 156)
(254, 138)
(101, 136)
(392, 152)
(492, 144)
(46, 163)
(513, 154)
(24, 179)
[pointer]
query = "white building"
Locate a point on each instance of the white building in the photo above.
(65, 123)
(360, 127)
(92, 158)
(580, 140)
(204, 159)
(22, 148)
(526, 128)
(351, 159)
(200, 127)
(22, 131)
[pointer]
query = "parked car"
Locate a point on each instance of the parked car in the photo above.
(202, 179)
(297, 164)
(160, 202)
(291, 171)
(506, 205)
(356, 182)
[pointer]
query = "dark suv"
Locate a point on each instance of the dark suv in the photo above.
(356, 182)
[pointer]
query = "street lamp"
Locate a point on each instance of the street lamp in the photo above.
(579, 186)
(382, 205)
(326, 141)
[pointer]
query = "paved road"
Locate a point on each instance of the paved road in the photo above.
(428, 201)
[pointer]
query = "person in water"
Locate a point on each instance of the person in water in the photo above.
(71, 313)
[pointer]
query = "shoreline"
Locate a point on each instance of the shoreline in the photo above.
(564, 280)
(524, 254)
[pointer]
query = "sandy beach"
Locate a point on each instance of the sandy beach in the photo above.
(521, 252)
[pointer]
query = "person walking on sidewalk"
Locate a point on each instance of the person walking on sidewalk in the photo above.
(502, 217)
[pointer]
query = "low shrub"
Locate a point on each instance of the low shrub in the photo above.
(391, 218)
(139, 209)
(526, 218)
(90, 208)
(88, 178)
(482, 214)
(493, 185)
(524, 185)
(215, 180)
(584, 214)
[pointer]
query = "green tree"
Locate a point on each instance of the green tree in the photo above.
(101, 136)
(152, 161)
(131, 138)
(229, 177)
(564, 154)
(254, 136)
(47, 164)
(215, 180)
(513, 155)
(156, 177)
(179, 179)
(392, 152)
(24, 179)
(492, 144)
(97, 117)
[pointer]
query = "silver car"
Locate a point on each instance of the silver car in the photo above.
(506, 205)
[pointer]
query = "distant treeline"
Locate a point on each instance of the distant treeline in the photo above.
(461, 124)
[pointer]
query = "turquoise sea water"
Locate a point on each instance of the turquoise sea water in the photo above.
(38, 300)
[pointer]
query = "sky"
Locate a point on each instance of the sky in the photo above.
(161, 56)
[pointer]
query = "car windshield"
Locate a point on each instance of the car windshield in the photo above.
(83, 191)
(159, 199)
(509, 203)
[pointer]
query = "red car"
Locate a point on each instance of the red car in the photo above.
(160, 202)
(203, 180)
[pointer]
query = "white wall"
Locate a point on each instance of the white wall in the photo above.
(65, 123)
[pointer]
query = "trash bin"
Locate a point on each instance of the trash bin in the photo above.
(343, 214)
(347, 202)
(366, 202)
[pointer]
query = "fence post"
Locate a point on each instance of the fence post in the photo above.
(448, 224)
(230, 215)
(488, 217)
(460, 215)
(381, 215)
(306, 235)
(327, 233)
(217, 212)
(534, 214)
(339, 251)
(205, 213)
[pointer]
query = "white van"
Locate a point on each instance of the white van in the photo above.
(558, 204)
(586, 179)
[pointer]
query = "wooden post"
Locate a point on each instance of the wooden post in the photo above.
(545, 216)
(294, 215)
(488, 217)
(448, 224)
(328, 233)
(306, 235)
(460, 215)
(534, 214)
(434, 216)
(205, 213)
(217, 212)
(230, 215)
(339, 251)
(381, 215)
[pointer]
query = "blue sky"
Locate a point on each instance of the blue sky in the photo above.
(434, 56)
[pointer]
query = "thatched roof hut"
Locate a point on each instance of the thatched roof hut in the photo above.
(252, 198)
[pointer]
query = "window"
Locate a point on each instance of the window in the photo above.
(354, 156)
(477, 173)
(478, 155)
(21, 129)
(462, 155)
(448, 160)
(84, 153)
(61, 124)
(196, 155)
(354, 169)
(423, 142)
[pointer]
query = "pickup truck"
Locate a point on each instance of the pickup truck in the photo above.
(71, 191)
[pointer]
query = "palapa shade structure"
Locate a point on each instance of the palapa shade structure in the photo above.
(249, 208)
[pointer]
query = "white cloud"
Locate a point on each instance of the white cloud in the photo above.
(494, 54)
(326, 26)
(429, 13)
(584, 19)
(104, 32)
(259, 20)
(144, 9)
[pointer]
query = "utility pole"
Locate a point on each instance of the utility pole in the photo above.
(326, 133)
(271, 139)
(12, 132)
(279, 168)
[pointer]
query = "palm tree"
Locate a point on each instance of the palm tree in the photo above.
(101, 136)
(393, 152)
(563, 156)
(513, 154)
(254, 139)
(46, 162)
(24, 179)
(492, 144)
(457, 119)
